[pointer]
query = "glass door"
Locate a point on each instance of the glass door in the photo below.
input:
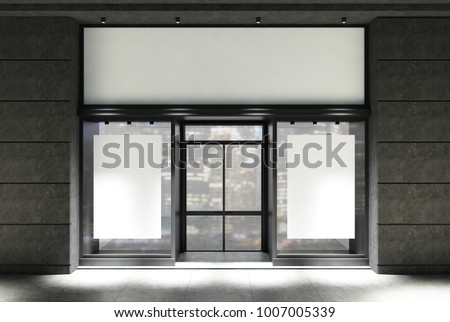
(223, 188)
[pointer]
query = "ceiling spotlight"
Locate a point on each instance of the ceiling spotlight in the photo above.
(258, 19)
(337, 122)
(106, 122)
(314, 122)
(129, 122)
(103, 20)
(344, 19)
(177, 20)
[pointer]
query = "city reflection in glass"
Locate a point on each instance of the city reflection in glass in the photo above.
(287, 246)
(130, 246)
(205, 188)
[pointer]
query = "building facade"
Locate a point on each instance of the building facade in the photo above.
(47, 131)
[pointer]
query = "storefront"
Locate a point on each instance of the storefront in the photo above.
(231, 95)
(212, 139)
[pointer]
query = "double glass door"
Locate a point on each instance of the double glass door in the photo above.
(223, 204)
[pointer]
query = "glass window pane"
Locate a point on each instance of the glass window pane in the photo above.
(204, 233)
(224, 133)
(243, 233)
(126, 245)
(243, 178)
(204, 178)
(294, 246)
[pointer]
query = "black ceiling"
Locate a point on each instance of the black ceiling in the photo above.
(224, 12)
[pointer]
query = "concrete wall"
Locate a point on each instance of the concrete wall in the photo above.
(38, 145)
(410, 145)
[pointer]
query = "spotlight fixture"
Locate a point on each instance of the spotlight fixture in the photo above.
(315, 122)
(129, 122)
(177, 20)
(103, 20)
(337, 122)
(106, 122)
(151, 122)
(258, 19)
(344, 19)
(292, 122)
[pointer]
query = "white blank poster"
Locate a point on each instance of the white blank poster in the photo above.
(223, 65)
(321, 188)
(127, 198)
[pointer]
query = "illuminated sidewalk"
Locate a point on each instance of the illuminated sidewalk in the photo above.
(184, 284)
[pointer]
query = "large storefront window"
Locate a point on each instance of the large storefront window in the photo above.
(320, 188)
(127, 188)
(320, 191)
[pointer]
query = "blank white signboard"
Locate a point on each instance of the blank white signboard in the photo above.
(127, 198)
(224, 65)
(321, 196)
